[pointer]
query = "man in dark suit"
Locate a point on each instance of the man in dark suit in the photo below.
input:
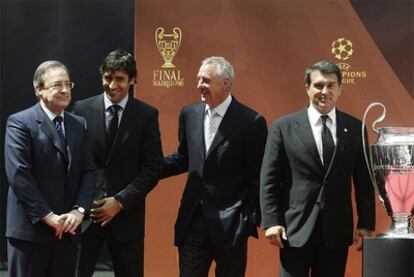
(126, 147)
(221, 143)
(312, 157)
(51, 174)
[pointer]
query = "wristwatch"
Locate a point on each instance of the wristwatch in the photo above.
(79, 209)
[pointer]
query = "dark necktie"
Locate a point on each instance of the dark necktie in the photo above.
(58, 125)
(113, 123)
(328, 144)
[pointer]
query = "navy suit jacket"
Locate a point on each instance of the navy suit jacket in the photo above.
(294, 182)
(43, 176)
(129, 169)
(226, 179)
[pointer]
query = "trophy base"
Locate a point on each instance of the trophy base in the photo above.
(400, 227)
(387, 257)
(168, 64)
(390, 234)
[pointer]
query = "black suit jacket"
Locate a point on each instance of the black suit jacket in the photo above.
(131, 166)
(294, 183)
(226, 179)
(43, 176)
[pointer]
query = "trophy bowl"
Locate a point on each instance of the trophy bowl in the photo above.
(390, 161)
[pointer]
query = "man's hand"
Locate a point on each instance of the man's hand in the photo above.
(53, 220)
(109, 208)
(275, 234)
(70, 221)
(361, 233)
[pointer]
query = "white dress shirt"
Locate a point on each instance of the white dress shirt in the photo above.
(212, 120)
(316, 124)
(108, 104)
(51, 115)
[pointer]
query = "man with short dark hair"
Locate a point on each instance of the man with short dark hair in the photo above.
(311, 160)
(50, 170)
(127, 150)
(221, 144)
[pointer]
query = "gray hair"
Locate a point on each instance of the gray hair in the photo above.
(38, 78)
(224, 68)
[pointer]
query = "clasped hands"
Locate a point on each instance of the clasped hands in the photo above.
(109, 207)
(64, 223)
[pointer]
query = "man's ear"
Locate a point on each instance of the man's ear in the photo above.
(340, 89)
(227, 84)
(132, 81)
(307, 89)
(37, 89)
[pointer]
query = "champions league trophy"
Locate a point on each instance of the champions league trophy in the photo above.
(168, 45)
(391, 167)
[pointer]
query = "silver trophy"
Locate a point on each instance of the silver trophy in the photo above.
(391, 167)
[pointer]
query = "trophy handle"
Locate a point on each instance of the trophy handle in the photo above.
(159, 35)
(369, 161)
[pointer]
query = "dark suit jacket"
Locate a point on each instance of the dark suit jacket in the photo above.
(226, 180)
(132, 165)
(294, 183)
(43, 177)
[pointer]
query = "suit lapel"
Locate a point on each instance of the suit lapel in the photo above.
(229, 122)
(195, 129)
(341, 138)
(96, 127)
(304, 131)
(70, 138)
(47, 127)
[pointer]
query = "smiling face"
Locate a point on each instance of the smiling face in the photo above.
(323, 91)
(213, 88)
(116, 85)
(56, 89)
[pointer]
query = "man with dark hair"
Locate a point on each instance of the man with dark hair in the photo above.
(127, 150)
(221, 147)
(312, 157)
(50, 170)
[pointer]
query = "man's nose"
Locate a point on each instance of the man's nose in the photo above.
(65, 89)
(112, 84)
(199, 84)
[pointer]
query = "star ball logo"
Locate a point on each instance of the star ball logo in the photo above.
(342, 49)
(167, 45)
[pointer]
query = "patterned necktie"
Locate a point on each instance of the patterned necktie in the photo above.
(58, 125)
(113, 123)
(211, 128)
(328, 144)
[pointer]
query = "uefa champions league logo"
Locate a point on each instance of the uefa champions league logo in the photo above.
(343, 49)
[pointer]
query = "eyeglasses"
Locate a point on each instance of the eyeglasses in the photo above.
(61, 86)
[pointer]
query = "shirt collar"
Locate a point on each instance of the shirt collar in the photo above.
(51, 115)
(121, 103)
(222, 107)
(314, 115)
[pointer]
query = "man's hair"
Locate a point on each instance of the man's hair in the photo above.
(325, 67)
(224, 68)
(38, 78)
(119, 59)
